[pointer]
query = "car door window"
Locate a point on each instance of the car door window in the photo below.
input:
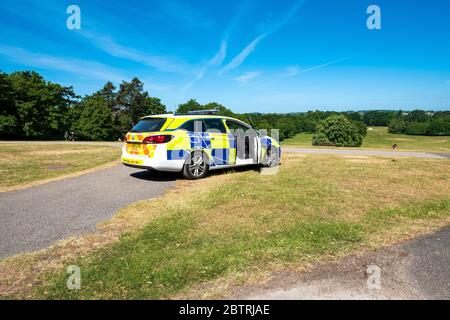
(193, 126)
(234, 126)
(215, 125)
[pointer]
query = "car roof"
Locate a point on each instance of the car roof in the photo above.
(189, 116)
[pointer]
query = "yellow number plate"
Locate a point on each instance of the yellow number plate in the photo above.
(132, 161)
(135, 147)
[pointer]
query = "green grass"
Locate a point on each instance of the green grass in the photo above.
(23, 163)
(380, 138)
(246, 223)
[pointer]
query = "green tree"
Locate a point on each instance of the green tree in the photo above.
(40, 106)
(8, 112)
(190, 105)
(417, 116)
(439, 124)
(108, 93)
(286, 128)
(132, 103)
(222, 110)
(193, 105)
(361, 127)
(153, 105)
(417, 128)
(338, 130)
(397, 125)
(131, 100)
(95, 122)
(377, 118)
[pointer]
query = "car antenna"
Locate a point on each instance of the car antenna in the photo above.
(250, 121)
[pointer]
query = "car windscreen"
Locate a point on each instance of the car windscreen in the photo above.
(149, 124)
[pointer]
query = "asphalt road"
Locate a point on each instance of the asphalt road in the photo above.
(416, 269)
(362, 152)
(36, 217)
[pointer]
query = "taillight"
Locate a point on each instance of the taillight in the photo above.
(125, 139)
(162, 138)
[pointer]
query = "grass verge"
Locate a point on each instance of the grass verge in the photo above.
(201, 239)
(24, 164)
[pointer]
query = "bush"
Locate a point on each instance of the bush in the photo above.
(417, 128)
(439, 127)
(361, 127)
(320, 139)
(397, 125)
(337, 130)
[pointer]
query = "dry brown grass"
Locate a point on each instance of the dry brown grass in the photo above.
(24, 165)
(61, 177)
(20, 274)
(308, 188)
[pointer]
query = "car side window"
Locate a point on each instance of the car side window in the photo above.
(234, 126)
(193, 126)
(215, 125)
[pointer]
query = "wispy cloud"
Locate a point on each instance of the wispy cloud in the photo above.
(246, 77)
(322, 65)
(220, 55)
(85, 68)
(240, 58)
(215, 61)
(162, 63)
(292, 71)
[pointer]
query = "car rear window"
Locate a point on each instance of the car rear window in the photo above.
(149, 124)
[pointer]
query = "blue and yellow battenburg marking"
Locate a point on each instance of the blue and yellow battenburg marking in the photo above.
(220, 148)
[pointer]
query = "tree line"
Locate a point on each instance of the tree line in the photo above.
(36, 109)
(419, 122)
(33, 108)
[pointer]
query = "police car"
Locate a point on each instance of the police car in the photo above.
(196, 142)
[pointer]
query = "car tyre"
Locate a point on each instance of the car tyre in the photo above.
(271, 159)
(196, 166)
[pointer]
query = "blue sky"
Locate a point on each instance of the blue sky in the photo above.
(252, 56)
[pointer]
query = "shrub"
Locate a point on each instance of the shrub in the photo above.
(439, 127)
(337, 130)
(417, 128)
(397, 125)
(361, 127)
(320, 139)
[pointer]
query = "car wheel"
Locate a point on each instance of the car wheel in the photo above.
(271, 159)
(196, 166)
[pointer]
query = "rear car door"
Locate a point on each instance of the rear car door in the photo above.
(220, 147)
(245, 142)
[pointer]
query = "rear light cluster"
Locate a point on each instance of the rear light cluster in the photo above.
(161, 138)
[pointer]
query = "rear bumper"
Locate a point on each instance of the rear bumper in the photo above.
(158, 161)
(136, 166)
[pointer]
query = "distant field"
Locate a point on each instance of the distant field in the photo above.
(380, 138)
(25, 163)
